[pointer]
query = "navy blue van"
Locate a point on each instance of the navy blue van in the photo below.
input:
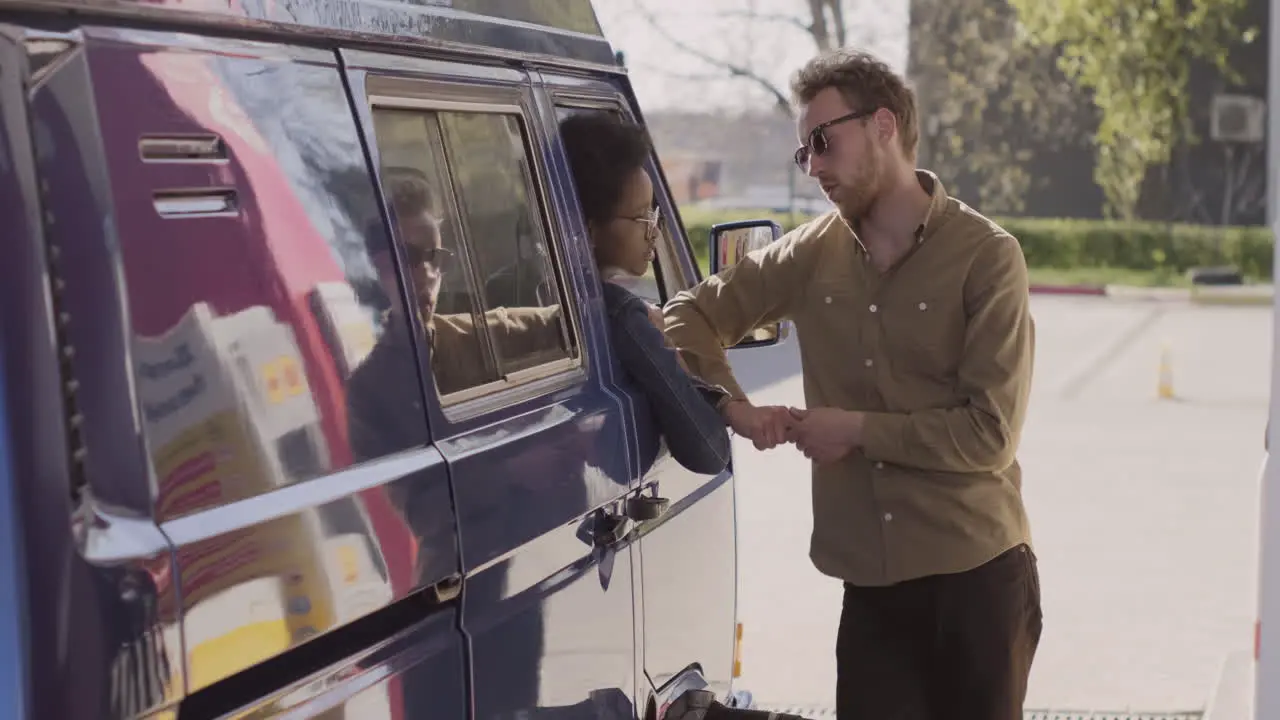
(232, 480)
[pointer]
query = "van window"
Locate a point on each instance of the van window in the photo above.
(665, 278)
(460, 193)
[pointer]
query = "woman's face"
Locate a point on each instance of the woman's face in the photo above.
(627, 240)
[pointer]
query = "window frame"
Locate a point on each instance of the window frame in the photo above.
(428, 98)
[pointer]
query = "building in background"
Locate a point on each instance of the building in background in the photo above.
(733, 162)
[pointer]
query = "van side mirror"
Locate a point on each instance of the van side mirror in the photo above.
(730, 243)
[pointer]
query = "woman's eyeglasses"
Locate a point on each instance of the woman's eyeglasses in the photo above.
(652, 220)
(818, 144)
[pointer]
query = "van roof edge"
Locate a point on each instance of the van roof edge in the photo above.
(567, 31)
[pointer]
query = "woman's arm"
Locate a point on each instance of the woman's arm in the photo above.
(685, 409)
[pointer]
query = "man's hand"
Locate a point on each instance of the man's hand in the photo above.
(766, 426)
(825, 435)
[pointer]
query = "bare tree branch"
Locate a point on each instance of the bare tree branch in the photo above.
(769, 18)
(781, 101)
(837, 19)
(821, 36)
(674, 75)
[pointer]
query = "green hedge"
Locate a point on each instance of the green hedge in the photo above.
(1068, 244)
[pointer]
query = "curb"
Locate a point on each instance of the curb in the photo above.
(1094, 290)
(1238, 295)
(1234, 296)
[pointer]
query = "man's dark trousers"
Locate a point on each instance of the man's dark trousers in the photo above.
(945, 647)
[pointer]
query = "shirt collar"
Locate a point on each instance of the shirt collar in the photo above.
(933, 214)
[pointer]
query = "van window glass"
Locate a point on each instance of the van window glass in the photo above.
(664, 278)
(460, 192)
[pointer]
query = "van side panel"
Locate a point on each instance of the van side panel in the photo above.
(28, 437)
(538, 475)
(688, 556)
(246, 215)
(104, 640)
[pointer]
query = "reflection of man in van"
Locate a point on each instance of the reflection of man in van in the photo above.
(384, 419)
(457, 355)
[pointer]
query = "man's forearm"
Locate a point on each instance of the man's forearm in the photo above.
(699, 346)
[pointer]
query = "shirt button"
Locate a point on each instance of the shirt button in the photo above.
(873, 308)
(879, 466)
(924, 306)
(888, 517)
(867, 362)
(827, 299)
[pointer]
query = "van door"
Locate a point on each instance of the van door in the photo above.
(520, 409)
(687, 555)
(241, 241)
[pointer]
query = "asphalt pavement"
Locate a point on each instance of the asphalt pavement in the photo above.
(1143, 510)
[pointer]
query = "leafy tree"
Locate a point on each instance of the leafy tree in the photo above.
(991, 103)
(1135, 59)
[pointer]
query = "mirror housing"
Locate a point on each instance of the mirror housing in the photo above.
(730, 242)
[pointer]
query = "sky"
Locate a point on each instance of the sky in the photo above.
(666, 77)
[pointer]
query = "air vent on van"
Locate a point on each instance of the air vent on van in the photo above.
(195, 203)
(182, 148)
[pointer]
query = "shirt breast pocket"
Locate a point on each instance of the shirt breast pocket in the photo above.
(925, 335)
(831, 313)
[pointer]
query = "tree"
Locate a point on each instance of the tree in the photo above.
(821, 22)
(1135, 59)
(989, 99)
(993, 106)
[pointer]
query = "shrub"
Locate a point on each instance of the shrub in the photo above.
(1067, 244)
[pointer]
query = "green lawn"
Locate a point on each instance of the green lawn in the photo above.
(1107, 276)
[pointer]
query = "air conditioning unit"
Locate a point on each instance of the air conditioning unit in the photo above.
(1238, 118)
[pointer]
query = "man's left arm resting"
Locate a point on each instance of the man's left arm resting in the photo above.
(994, 377)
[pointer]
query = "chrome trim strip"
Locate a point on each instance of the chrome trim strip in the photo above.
(295, 498)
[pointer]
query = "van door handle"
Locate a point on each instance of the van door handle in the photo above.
(645, 508)
(446, 589)
(612, 529)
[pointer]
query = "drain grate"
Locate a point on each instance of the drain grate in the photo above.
(817, 712)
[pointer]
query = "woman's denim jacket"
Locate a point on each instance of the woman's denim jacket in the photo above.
(682, 406)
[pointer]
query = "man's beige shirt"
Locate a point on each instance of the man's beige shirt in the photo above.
(937, 352)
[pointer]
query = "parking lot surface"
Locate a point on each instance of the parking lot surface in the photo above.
(1144, 511)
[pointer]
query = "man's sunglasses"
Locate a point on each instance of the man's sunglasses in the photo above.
(436, 256)
(817, 142)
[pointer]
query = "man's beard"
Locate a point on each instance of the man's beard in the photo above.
(856, 198)
(855, 202)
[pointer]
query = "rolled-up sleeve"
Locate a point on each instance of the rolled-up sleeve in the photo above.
(721, 310)
(994, 378)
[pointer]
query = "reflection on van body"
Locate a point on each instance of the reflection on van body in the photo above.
(195, 335)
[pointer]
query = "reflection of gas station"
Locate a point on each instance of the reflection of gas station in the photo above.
(229, 415)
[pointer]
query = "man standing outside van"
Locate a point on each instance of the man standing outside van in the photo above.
(916, 341)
